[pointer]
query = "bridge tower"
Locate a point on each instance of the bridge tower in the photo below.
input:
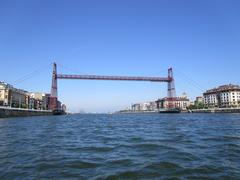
(54, 93)
(171, 89)
(171, 84)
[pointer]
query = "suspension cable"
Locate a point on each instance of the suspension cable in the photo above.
(190, 80)
(30, 75)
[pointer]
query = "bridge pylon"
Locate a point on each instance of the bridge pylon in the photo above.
(171, 84)
(171, 89)
(54, 93)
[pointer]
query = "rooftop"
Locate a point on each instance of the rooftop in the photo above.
(223, 88)
(9, 86)
(174, 99)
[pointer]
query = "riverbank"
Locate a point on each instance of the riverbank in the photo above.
(135, 112)
(216, 110)
(212, 110)
(6, 112)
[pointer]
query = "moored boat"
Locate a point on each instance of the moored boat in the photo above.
(58, 112)
(170, 110)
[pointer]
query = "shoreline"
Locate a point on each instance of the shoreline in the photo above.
(216, 110)
(212, 110)
(7, 112)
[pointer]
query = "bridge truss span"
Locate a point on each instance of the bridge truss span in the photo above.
(114, 78)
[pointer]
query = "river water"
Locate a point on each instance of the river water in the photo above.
(143, 146)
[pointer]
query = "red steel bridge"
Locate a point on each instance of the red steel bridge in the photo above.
(55, 76)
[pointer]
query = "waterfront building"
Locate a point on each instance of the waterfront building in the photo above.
(136, 107)
(48, 99)
(222, 96)
(184, 95)
(39, 101)
(4, 94)
(146, 106)
(153, 106)
(177, 102)
(198, 100)
(31, 103)
(13, 97)
(18, 98)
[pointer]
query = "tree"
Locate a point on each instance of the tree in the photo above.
(192, 107)
(199, 105)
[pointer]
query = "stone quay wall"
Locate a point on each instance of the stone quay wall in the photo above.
(6, 112)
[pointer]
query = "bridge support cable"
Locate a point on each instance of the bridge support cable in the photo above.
(190, 81)
(30, 75)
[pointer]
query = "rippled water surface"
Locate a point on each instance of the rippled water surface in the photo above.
(181, 146)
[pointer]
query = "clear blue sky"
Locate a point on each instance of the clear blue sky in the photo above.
(199, 39)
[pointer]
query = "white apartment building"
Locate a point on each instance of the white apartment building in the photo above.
(223, 96)
(10, 96)
(146, 106)
(4, 94)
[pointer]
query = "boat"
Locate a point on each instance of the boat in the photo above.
(58, 112)
(170, 110)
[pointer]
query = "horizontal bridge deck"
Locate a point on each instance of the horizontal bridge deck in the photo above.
(117, 78)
